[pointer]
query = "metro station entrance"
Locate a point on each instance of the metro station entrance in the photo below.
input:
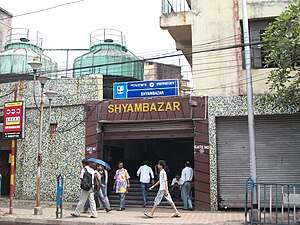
(133, 130)
(133, 152)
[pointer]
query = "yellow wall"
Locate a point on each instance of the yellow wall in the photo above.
(217, 22)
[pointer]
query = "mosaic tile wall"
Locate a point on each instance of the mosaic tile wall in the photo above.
(63, 150)
(229, 106)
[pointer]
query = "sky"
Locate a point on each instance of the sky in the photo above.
(69, 26)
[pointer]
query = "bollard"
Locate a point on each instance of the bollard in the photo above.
(59, 197)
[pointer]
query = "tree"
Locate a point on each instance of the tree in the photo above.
(281, 48)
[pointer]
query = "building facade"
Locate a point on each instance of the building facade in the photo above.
(5, 27)
(210, 30)
(160, 71)
(63, 145)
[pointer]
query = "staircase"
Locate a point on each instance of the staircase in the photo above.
(134, 197)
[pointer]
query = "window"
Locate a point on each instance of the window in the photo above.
(257, 28)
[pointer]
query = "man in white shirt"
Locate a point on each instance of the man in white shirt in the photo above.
(146, 174)
(187, 177)
(89, 194)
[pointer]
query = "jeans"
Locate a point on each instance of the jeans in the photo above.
(107, 202)
(100, 195)
(82, 200)
(122, 197)
(144, 188)
(186, 195)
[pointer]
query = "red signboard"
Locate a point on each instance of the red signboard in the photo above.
(14, 118)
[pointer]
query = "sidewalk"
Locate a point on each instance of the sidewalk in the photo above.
(129, 216)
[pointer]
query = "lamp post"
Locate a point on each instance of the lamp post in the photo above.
(250, 107)
(42, 79)
(50, 95)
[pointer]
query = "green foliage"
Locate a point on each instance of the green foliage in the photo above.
(282, 49)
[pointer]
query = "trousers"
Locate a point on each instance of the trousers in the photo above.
(186, 195)
(100, 195)
(122, 197)
(144, 189)
(84, 195)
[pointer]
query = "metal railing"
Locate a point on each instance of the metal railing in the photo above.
(276, 203)
(173, 6)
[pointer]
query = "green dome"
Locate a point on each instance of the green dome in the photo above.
(106, 50)
(15, 58)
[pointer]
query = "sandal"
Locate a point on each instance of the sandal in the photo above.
(176, 215)
(148, 215)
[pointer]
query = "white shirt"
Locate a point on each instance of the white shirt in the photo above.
(90, 170)
(162, 180)
(187, 174)
(144, 173)
(175, 181)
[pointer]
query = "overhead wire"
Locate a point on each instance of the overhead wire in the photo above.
(42, 10)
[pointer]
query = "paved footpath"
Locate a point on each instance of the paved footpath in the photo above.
(132, 216)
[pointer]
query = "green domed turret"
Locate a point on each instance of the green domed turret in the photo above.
(108, 56)
(18, 52)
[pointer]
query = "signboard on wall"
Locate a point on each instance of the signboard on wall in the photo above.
(146, 89)
(14, 120)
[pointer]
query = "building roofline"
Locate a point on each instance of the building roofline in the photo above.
(166, 64)
(6, 12)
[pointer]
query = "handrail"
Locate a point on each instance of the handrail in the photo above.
(275, 200)
(174, 6)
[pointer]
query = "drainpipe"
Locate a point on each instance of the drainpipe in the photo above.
(238, 51)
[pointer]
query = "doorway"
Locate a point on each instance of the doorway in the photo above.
(133, 152)
(5, 146)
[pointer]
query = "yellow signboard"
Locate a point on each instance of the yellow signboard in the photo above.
(144, 107)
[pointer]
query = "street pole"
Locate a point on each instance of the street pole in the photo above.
(38, 209)
(12, 166)
(249, 100)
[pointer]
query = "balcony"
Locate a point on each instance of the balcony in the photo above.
(176, 18)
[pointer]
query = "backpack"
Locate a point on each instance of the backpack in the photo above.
(86, 182)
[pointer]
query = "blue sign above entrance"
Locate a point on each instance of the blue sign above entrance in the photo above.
(146, 89)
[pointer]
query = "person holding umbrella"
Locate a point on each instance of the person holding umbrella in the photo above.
(98, 190)
(121, 184)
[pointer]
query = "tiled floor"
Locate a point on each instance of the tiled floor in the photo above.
(129, 216)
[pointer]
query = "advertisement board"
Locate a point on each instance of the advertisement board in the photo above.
(14, 120)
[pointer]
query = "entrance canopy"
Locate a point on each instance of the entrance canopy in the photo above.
(145, 130)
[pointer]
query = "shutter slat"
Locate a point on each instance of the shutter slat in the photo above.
(277, 154)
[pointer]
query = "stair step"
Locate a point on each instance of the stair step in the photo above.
(138, 198)
(134, 198)
(115, 203)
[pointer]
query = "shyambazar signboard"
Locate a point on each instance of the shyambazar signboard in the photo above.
(14, 120)
(144, 107)
(146, 89)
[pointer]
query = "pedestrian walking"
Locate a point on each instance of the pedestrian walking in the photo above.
(98, 191)
(104, 180)
(121, 184)
(187, 177)
(87, 190)
(146, 175)
(163, 191)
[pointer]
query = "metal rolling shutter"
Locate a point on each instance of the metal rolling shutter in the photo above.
(145, 130)
(277, 153)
